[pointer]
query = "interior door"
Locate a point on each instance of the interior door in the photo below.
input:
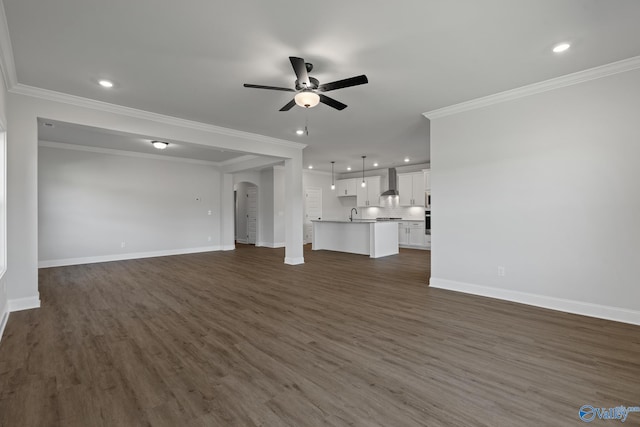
(252, 214)
(312, 210)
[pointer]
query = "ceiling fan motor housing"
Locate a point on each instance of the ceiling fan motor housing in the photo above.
(314, 84)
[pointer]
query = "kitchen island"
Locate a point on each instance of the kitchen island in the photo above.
(365, 237)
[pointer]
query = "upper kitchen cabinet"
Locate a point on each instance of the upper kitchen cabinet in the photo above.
(411, 187)
(427, 180)
(346, 187)
(370, 194)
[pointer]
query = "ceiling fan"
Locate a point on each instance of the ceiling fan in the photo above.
(309, 90)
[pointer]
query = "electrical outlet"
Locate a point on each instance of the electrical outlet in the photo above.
(123, 244)
(501, 271)
(208, 212)
(209, 239)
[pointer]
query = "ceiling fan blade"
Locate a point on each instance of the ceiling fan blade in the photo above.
(339, 84)
(289, 105)
(300, 68)
(332, 102)
(286, 89)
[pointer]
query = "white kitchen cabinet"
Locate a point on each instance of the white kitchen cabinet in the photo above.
(346, 187)
(411, 235)
(370, 194)
(427, 180)
(416, 234)
(403, 233)
(411, 187)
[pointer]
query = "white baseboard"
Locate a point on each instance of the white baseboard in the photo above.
(569, 306)
(19, 304)
(121, 257)
(228, 248)
(294, 261)
(242, 241)
(271, 245)
(422, 248)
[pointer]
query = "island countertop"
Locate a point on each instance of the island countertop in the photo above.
(355, 221)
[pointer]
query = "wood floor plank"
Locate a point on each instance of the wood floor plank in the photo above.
(238, 338)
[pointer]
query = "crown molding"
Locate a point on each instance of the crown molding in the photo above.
(100, 150)
(79, 101)
(535, 88)
(7, 63)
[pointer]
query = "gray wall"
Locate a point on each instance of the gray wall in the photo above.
(545, 186)
(89, 203)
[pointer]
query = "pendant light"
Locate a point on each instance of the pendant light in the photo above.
(333, 182)
(364, 184)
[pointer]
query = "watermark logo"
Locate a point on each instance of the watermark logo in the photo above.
(588, 413)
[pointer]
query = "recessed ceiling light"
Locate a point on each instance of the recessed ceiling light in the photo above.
(375, 165)
(310, 166)
(106, 84)
(561, 47)
(160, 145)
(300, 132)
(348, 168)
(406, 159)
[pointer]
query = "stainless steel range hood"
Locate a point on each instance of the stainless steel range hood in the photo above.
(393, 189)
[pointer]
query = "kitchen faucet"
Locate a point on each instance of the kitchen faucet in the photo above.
(351, 216)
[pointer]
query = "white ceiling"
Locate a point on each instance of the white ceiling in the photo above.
(189, 59)
(70, 133)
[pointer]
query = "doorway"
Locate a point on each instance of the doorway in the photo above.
(246, 213)
(312, 210)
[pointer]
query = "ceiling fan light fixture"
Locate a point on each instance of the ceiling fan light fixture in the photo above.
(307, 99)
(160, 145)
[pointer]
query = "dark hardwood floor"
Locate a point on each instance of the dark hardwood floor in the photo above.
(240, 339)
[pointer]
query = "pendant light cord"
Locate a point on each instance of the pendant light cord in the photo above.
(306, 122)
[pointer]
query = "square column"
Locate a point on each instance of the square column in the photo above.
(293, 210)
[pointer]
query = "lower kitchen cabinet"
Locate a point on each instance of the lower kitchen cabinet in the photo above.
(411, 234)
(416, 234)
(403, 234)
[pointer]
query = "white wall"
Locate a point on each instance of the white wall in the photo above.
(4, 305)
(332, 206)
(90, 203)
(547, 187)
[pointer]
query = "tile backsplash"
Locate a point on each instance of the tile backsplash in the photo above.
(389, 208)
